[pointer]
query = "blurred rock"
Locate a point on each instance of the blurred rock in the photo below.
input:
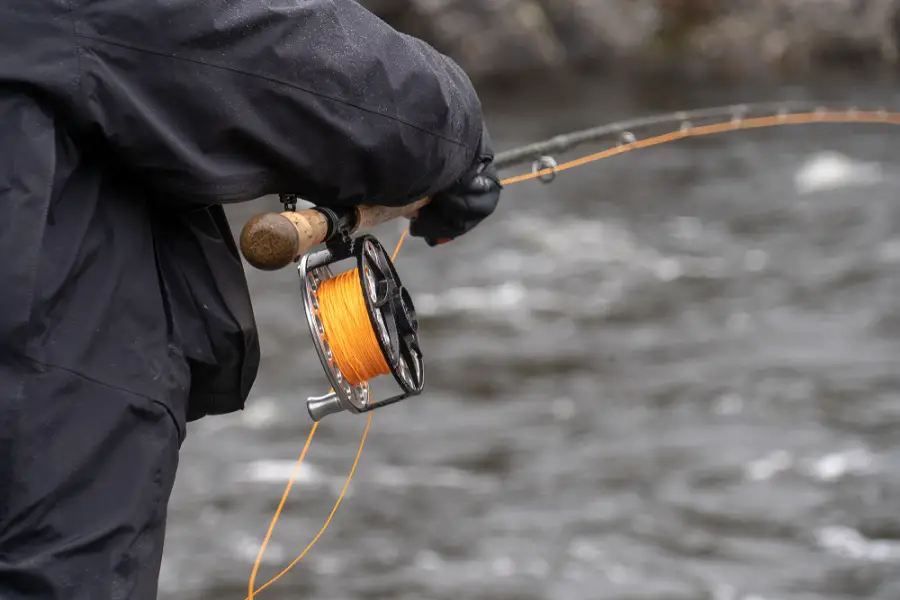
(495, 37)
(587, 29)
(490, 36)
(799, 35)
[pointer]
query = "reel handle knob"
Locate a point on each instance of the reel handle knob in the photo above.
(320, 407)
(272, 241)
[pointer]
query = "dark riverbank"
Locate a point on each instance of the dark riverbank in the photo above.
(698, 38)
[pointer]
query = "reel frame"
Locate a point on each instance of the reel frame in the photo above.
(392, 316)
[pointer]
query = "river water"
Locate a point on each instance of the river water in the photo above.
(669, 375)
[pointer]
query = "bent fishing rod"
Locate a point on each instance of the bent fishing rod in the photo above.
(363, 322)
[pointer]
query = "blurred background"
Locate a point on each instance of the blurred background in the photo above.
(671, 375)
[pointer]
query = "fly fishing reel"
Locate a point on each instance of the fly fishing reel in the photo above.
(363, 325)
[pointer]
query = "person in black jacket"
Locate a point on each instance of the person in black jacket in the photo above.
(125, 126)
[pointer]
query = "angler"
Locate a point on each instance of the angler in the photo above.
(126, 125)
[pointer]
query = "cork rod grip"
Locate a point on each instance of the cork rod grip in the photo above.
(272, 241)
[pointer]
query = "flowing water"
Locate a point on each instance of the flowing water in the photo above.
(669, 375)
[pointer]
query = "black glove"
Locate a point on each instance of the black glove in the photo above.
(468, 202)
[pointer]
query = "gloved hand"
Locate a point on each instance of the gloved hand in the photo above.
(464, 205)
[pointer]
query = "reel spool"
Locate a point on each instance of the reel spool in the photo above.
(389, 312)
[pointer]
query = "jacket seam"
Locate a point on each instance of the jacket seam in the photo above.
(76, 79)
(270, 79)
(41, 363)
(106, 384)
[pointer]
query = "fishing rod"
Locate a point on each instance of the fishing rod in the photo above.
(363, 322)
(622, 129)
(272, 241)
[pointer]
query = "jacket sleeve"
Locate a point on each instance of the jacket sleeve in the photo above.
(221, 101)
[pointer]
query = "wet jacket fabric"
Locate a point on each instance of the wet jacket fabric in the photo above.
(124, 312)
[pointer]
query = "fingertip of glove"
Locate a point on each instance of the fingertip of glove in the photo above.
(433, 242)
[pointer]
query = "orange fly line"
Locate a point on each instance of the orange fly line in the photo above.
(736, 124)
(342, 308)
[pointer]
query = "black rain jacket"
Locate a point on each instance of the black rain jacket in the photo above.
(126, 124)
